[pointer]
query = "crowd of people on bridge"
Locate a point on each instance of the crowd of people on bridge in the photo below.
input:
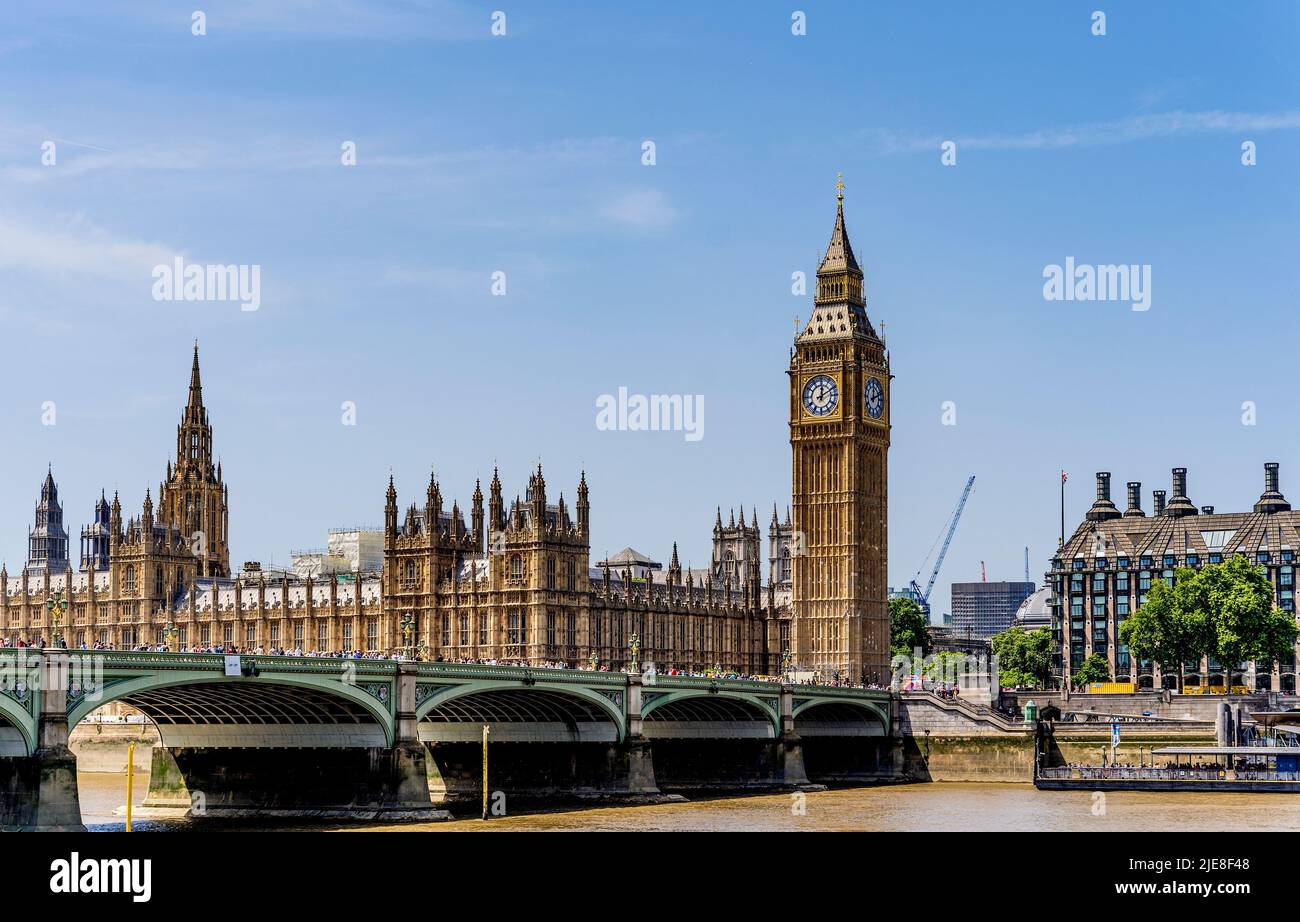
(40, 643)
(834, 681)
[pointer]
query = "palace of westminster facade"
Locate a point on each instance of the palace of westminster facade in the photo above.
(515, 582)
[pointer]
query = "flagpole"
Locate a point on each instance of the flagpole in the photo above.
(1062, 544)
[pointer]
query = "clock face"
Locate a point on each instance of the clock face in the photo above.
(821, 395)
(874, 398)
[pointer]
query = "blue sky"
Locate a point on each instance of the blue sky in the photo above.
(522, 154)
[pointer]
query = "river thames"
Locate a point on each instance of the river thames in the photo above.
(937, 807)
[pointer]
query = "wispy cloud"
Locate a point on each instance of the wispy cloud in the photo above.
(1095, 134)
(22, 145)
(78, 247)
(304, 19)
(72, 164)
(641, 209)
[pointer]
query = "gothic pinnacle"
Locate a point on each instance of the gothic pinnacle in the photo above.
(196, 384)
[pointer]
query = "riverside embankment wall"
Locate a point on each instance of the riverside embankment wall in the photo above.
(1155, 703)
(946, 740)
(102, 747)
(951, 740)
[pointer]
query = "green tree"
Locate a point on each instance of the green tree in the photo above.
(1094, 669)
(1024, 657)
(1224, 610)
(1174, 625)
(945, 667)
(908, 628)
(1247, 626)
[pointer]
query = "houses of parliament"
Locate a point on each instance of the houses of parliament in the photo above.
(512, 580)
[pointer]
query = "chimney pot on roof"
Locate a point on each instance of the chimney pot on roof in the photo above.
(1272, 500)
(1179, 504)
(1159, 496)
(1103, 509)
(1134, 498)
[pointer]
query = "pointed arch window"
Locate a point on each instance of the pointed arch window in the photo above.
(128, 580)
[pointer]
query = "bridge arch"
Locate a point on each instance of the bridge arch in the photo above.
(201, 709)
(515, 712)
(840, 717)
(17, 727)
(701, 713)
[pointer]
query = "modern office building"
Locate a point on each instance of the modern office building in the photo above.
(980, 610)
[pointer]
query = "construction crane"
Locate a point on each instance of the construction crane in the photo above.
(923, 598)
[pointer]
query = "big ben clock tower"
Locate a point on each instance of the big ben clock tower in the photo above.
(839, 439)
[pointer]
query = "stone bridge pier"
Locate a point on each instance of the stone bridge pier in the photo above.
(38, 791)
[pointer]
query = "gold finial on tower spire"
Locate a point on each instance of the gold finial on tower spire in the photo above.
(839, 186)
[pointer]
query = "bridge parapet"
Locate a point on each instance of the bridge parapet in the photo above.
(131, 660)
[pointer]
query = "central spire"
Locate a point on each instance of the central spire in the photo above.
(196, 385)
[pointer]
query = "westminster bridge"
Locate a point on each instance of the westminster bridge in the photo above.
(284, 734)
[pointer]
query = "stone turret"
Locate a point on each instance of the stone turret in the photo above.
(496, 507)
(476, 518)
(390, 509)
(584, 508)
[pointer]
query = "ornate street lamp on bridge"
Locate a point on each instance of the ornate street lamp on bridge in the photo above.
(408, 631)
(56, 604)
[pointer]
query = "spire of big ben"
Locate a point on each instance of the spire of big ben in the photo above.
(839, 306)
(839, 258)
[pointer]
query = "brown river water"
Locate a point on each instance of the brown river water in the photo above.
(938, 807)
